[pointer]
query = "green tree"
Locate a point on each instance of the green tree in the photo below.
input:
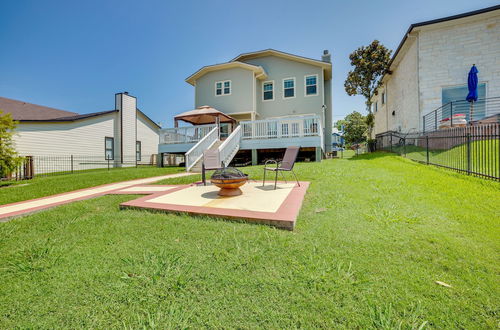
(338, 124)
(9, 159)
(370, 64)
(355, 128)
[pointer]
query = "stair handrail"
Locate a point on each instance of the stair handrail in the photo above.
(228, 149)
(196, 152)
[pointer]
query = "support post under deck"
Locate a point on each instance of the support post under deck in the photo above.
(254, 157)
(318, 154)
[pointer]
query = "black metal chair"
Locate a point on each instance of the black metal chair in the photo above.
(211, 161)
(286, 165)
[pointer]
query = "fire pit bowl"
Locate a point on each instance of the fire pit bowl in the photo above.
(229, 180)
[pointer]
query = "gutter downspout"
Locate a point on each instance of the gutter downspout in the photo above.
(418, 84)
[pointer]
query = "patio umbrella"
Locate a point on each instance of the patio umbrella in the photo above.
(204, 115)
(472, 84)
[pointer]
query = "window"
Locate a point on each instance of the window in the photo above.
(295, 129)
(268, 91)
(218, 88)
(109, 148)
(459, 93)
(223, 88)
(288, 88)
(284, 129)
(138, 151)
(375, 106)
(311, 85)
(383, 98)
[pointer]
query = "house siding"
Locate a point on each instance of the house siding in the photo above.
(241, 98)
(148, 134)
(246, 99)
(54, 143)
(401, 94)
(84, 137)
(278, 69)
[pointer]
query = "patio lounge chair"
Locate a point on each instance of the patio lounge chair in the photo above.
(285, 165)
(211, 161)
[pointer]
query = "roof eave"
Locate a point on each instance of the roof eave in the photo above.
(327, 66)
(258, 70)
(435, 21)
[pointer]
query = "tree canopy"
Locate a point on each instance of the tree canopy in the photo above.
(370, 64)
(339, 123)
(9, 159)
(355, 129)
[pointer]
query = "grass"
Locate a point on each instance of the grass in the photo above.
(374, 234)
(45, 186)
(484, 156)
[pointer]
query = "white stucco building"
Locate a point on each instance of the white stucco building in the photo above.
(429, 69)
(123, 136)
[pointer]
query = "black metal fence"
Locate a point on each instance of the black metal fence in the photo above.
(474, 150)
(462, 113)
(34, 166)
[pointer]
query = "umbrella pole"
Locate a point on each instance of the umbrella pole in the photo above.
(471, 112)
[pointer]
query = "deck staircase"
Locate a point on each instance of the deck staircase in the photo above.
(224, 150)
(214, 148)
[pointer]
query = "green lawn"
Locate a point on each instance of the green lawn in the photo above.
(484, 156)
(45, 186)
(374, 234)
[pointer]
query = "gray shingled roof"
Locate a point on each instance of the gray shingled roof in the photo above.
(27, 111)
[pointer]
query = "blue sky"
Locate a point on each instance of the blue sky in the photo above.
(74, 55)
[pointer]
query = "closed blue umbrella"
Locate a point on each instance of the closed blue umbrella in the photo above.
(472, 84)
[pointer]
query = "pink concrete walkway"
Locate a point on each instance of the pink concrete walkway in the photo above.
(9, 211)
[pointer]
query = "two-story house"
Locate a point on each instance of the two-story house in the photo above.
(427, 78)
(276, 98)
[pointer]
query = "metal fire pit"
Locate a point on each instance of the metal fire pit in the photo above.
(229, 180)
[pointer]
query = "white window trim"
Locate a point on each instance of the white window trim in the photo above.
(305, 85)
(265, 82)
(294, 88)
(112, 149)
(222, 82)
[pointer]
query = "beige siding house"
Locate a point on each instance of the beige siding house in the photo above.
(430, 67)
(123, 136)
(275, 99)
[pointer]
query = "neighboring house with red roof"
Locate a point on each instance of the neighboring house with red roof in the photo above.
(122, 136)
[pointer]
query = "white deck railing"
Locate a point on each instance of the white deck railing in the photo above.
(189, 134)
(284, 127)
(229, 148)
(196, 152)
(321, 134)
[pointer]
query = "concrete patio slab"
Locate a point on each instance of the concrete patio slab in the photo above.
(259, 204)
